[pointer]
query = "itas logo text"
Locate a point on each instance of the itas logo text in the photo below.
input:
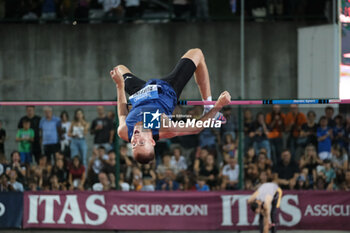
(151, 120)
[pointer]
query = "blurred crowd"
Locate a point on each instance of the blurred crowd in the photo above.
(297, 151)
(130, 10)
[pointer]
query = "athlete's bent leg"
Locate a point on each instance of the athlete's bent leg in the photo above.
(132, 83)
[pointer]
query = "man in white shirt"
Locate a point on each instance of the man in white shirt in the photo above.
(178, 162)
(230, 174)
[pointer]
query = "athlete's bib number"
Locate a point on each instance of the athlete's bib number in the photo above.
(148, 92)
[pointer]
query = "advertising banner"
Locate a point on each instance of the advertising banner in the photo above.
(11, 209)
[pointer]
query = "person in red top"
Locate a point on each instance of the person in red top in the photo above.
(76, 176)
(293, 122)
(275, 122)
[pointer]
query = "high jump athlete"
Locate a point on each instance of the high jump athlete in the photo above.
(161, 96)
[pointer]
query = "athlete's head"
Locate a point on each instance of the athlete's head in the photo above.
(256, 206)
(142, 145)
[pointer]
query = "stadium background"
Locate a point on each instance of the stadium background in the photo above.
(69, 59)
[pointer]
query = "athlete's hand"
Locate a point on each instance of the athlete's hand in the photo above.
(117, 77)
(224, 99)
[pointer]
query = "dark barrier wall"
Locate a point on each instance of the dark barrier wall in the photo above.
(54, 61)
(11, 210)
(180, 210)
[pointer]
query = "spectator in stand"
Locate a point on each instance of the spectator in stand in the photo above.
(301, 183)
(309, 130)
(208, 137)
(329, 112)
(230, 126)
(293, 122)
(339, 158)
(41, 172)
(2, 139)
(34, 124)
(50, 127)
(95, 165)
(275, 122)
(324, 137)
(327, 173)
(102, 129)
(161, 169)
(286, 171)
(168, 183)
(16, 165)
(258, 134)
(230, 175)
(148, 178)
(248, 124)
(124, 186)
(48, 11)
(310, 161)
(60, 172)
(209, 172)
(201, 184)
(65, 139)
(178, 162)
(76, 175)
(264, 164)
(77, 131)
(132, 9)
(125, 162)
(104, 184)
(202, 9)
(339, 131)
(199, 162)
(55, 185)
(136, 179)
(109, 166)
(347, 181)
(25, 137)
(4, 183)
(229, 145)
(17, 186)
(112, 8)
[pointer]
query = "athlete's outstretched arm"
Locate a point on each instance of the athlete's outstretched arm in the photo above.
(122, 102)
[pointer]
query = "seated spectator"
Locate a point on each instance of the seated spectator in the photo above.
(339, 131)
(124, 186)
(327, 172)
(293, 122)
(199, 162)
(339, 158)
(329, 112)
(275, 122)
(55, 185)
(125, 161)
(201, 184)
(264, 164)
(33, 185)
(168, 183)
(109, 164)
(17, 166)
(324, 136)
(347, 181)
(95, 166)
(320, 183)
(4, 183)
(310, 161)
(309, 130)
(209, 172)
(60, 171)
(229, 145)
(136, 179)
(187, 181)
(263, 178)
(301, 183)
(248, 125)
(41, 172)
(178, 162)
(286, 171)
(148, 178)
(16, 186)
(230, 127)
(208, 137)
(25, 137)
(164, 166)
(76, 176)
(230, 175)
(258, 134)
(104, 184)
(250, 157)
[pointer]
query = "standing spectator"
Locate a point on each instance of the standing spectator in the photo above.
(102, 128)
(76, 176)
(201, 185)
(275, 122)
(17, 186)
(209, 172)
(34, 124)
(178, 162)
(202, 10)
(329, 112)
(16, 166)
(50, 127)
(230, 174)
(132, 9)
(2, 139)
(65, 139)
(77, 131)
(339, 131)
(286, 171)
(309, 130)
(168, 183)
(258, 134)
(25, 137)
(48, 11)
(324, 134)
(293, 122)
(112, 8)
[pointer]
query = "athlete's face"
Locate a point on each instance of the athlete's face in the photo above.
(142, 141)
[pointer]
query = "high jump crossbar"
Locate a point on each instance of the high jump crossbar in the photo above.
(181, 102)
